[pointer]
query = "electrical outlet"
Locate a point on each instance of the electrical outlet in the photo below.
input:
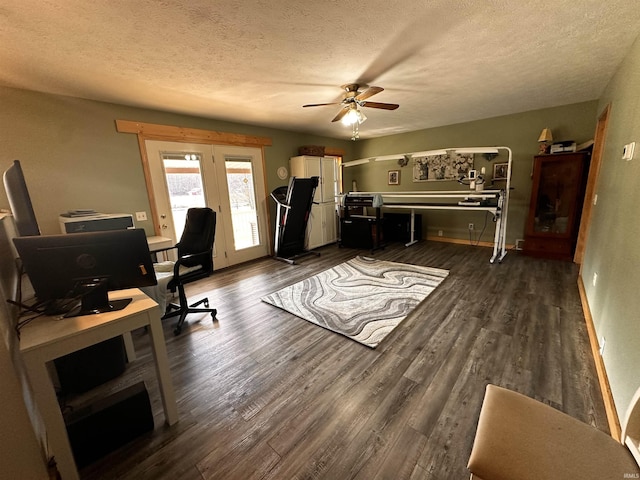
(440, 233)
(141, 216)
(471, 226)
(519, 243)
(595, 278)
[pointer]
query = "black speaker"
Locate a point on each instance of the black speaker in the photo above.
(108, 423)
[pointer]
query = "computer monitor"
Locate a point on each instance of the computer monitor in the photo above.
(73, 273)
(20, 201)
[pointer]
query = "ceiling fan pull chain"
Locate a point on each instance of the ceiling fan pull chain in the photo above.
(355, 135)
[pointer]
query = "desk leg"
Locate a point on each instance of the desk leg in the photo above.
(128, 347)
(497, 240)
(45, 397)
(413, 229)
(159, 350)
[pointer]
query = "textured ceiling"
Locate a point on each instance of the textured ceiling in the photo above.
(259, 61)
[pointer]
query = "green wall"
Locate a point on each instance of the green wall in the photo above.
(73, 157)
(613, 249)
(519, 132)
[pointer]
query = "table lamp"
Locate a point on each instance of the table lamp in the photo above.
(544, 140)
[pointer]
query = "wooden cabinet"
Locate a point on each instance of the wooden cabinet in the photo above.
(322, 225)
(557, 193)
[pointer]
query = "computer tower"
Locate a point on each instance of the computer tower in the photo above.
(105, 425)
(92, 366)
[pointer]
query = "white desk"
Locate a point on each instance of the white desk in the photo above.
(157, 243)
(448, 200)
(48, 338)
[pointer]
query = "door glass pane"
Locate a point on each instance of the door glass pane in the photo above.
(184, 182)
(556, 193)
(242, 199)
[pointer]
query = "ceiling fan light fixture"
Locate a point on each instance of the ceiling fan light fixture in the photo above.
(353, 116)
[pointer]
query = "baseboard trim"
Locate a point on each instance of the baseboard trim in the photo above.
(603, 379)
(462, 241)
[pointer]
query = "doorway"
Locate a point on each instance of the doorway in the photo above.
(228, 179)
(592, 182)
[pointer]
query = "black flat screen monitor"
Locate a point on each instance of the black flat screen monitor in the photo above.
(20, 201)
(72, 274)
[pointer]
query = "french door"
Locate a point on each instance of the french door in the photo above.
(228, 179)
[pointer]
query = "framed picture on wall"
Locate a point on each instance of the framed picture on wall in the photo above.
(500, 171)
(393, 177)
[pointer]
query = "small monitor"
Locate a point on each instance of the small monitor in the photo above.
(72, 274)
(20, 201)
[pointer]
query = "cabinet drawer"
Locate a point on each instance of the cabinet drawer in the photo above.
(547, 247)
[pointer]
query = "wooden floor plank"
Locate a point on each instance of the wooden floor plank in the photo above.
(264, 395)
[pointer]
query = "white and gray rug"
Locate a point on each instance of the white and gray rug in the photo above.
(363, 298)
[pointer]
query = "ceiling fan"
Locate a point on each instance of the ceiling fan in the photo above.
(352, 99)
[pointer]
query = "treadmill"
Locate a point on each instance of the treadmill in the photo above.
(293, 204)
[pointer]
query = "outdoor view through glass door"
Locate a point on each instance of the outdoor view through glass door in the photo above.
(184, 185)
(227, 179)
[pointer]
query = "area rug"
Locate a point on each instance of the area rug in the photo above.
(363, 299)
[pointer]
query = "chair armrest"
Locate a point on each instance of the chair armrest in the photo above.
(192, 256)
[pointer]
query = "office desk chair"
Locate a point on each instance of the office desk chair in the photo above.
(195, 261)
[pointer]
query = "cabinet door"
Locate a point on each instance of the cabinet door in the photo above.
(328, 180)
(330, 223)
(555, 195)
(315, 232)
(307, 167)
(322, 227)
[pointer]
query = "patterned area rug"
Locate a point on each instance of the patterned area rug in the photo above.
(363, 299)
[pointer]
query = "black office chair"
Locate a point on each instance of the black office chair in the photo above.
(195, 261)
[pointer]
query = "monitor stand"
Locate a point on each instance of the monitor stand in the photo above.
(96, 299)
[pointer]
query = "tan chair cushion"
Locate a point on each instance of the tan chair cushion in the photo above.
(519, 438)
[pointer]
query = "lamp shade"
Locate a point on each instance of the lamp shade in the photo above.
(545, 135)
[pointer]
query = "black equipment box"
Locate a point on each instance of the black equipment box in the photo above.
(361, 232)
(397, 227)
(101, 427)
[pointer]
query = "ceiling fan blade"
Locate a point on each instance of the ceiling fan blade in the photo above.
(384, 106)
(369, 92)
(341, 114)
(320, 104)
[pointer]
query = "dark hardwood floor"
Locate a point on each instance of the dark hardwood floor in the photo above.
(265, 395)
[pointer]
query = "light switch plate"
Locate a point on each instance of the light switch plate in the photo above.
(627, 151)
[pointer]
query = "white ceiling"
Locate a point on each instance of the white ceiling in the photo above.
(259, 61)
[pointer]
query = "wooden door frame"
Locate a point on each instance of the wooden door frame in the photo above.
(169, 133)
(592, 181)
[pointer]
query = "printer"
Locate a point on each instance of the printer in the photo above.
(89, 221)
